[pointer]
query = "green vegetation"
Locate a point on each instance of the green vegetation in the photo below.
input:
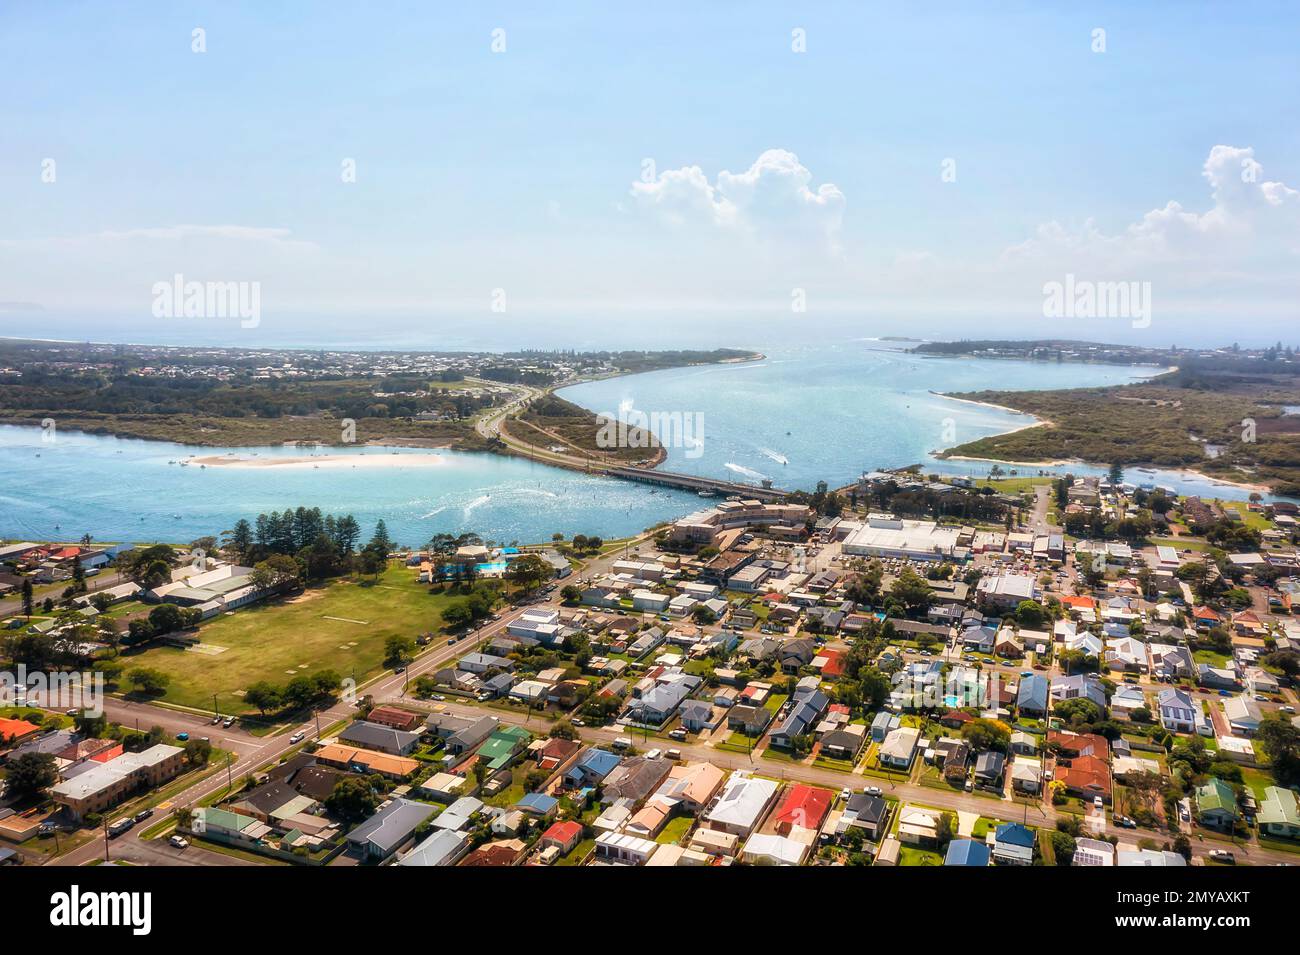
(342, 626)
(1236, 405)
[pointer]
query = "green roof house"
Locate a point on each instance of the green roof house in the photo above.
(1216, 804)
(500, 748)
(1279, 813)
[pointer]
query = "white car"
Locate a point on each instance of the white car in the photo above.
(179, 842)
(297, 737)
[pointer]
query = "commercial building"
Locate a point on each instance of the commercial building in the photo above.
(884, 536)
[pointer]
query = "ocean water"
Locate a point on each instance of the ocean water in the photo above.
(116, 489)
(804, 414)
(829, 412)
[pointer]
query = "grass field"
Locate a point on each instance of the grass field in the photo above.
(341, 626)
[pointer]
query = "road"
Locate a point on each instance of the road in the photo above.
(101, 581)
(253, 752)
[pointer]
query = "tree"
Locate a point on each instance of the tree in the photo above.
(148, 566)
(912, 591)
(1030, 614)
(263, 695)
(529, 572)
(31, 773)
(987, 734)
(1063, 847)
(380, 541)
(165, 618)
(148, 681)
(1115, 474)
(563, 730)
(1279, 739)
(198, 752)
(278, 570)
(352, 799)
(27, 597)
(239, 541)
(397, 651)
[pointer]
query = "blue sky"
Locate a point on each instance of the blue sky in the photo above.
(515, 170)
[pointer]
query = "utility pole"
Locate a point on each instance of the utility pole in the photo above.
(106, 838)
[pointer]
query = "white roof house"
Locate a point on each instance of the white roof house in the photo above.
(771, 849)
(742, 803)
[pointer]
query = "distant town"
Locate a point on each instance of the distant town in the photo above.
(911, 670)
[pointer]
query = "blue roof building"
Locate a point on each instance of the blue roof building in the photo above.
(967, 852)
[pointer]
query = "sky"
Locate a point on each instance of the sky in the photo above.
(496, 174)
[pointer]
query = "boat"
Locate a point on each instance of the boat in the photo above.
(705, 493)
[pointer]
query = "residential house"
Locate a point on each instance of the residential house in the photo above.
(442, 848)
(1279, 813)
(742, 804)
(1216, 805)
(1032, 695)
(1013, 844)
(1177, 711)
(989, 767)
(386, 739)
(1243, 715)
(967, 852)
(1086, 686)
(389, 829)
(899, 748)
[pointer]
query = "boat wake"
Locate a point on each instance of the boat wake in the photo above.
(476, 503)
(747, 472)
(775, 456)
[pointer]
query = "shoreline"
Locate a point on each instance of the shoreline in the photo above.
(361, 459)
(1184, 473)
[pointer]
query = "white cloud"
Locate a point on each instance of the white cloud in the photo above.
(768, 200)
(1251, 224)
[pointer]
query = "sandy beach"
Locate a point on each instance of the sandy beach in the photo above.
(373, 460)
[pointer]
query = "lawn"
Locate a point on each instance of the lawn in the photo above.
(674, 831)
(341, 626)
(910, 855)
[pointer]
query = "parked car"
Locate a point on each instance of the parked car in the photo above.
(1124, 822)
(873, 791)
(142, 815)
(577, 722)
(1224, 856)
(228, 722)
(179, 842)
(653, 754)
(182, 736)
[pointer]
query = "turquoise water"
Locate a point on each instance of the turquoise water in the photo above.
(120, 489)
(829, 412)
